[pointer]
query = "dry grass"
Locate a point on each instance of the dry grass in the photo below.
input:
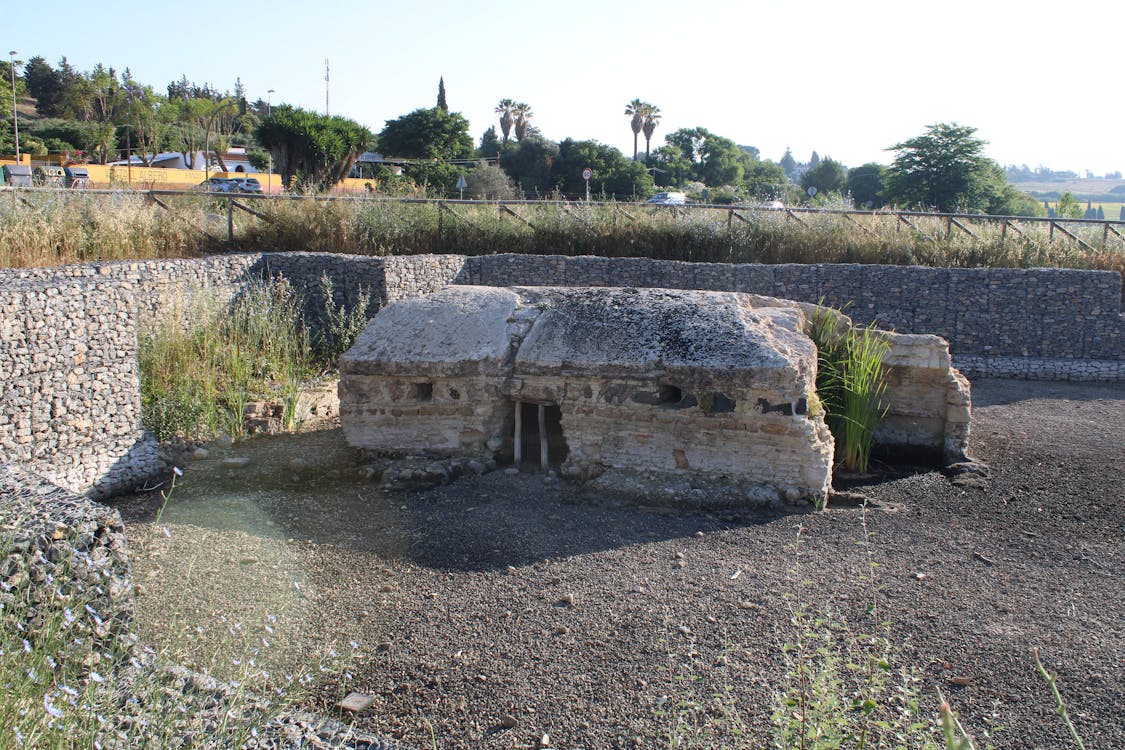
(49, 228)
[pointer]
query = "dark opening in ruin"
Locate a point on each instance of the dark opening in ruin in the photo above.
(539, 425)
(424, 391)
(670, 394)
(717, 403)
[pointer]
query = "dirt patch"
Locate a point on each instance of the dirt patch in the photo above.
(508, 600)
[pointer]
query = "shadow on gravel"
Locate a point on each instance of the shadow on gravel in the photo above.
(309, 489)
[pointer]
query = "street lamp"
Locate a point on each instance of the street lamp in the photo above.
(129, 153)
(269, 174)
(15, 114)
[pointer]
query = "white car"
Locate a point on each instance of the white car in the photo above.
(667, 199)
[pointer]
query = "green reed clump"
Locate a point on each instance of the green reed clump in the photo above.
(200, 368)
(851, 383)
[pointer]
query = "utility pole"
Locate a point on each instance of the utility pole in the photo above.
(327, 112)
(269, 175)
(15, 114)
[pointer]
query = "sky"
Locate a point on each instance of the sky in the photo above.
(844, 79)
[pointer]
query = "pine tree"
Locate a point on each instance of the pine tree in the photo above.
(441, 103)
(1101, 214)
(788, 164)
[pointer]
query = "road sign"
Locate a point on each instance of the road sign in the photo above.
(462, 183)
(587, 173)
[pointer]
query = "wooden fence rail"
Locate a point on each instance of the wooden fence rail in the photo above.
(1112, 232)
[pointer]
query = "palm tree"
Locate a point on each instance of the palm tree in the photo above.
(505, 109)
(651, 119)
(636, 110)
(523, 115)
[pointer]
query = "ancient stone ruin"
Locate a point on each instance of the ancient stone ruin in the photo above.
(666, 389)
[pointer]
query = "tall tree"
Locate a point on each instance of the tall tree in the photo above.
(614, 174)
(427, 134)
(530, 164)
(312, 148)
(828, 176)
(788, 163)
(865, 185)
(489, 144)
(651, 120)
(943, 169)
(523, 115)
(442, 104)
(635, 111)
(506, 109)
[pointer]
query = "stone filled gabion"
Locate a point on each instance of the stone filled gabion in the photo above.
(61, 547)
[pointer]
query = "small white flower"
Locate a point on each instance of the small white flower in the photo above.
(177, 471)
(167, 533)
(51, 710)
(96, 677)
(26, 646)
(354, 645)
(269, 629)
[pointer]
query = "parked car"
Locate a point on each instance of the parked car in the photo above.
(248, 185)
(218, 185)
(667, 199)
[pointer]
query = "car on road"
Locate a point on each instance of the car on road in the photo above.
(217, 185)
(667, 199)
(248, 185)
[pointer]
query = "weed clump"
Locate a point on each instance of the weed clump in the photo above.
(201, 367)
(851, 383)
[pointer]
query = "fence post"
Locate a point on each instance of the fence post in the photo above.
(230, 219)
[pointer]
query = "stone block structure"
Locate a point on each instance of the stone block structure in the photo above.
(655, 381)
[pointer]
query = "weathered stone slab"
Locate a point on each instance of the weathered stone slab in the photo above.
(652, 382)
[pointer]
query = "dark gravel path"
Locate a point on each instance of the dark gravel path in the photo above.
(513, 600)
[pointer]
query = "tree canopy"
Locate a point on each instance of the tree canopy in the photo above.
(614, 174)
(427, 134)
(316, 149)
(828, 176)
(698, 155)
(865, 185)
(943, 169)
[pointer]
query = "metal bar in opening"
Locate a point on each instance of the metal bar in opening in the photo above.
(543, 463)
(518, 452)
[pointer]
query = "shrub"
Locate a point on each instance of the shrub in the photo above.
(851, 383)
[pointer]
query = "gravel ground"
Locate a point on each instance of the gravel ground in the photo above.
(509, 611)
